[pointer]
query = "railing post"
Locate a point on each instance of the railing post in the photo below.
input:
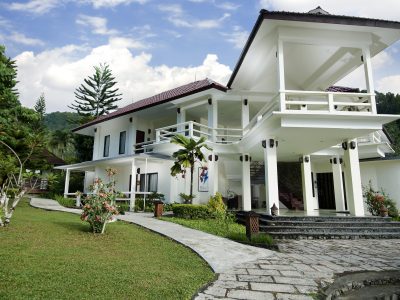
(330, 103)
(282, 101)
(191, 129)
(373, 104)
(157, 135)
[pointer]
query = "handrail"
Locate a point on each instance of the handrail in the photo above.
(196, 130)
(266, 108)
(325, 93)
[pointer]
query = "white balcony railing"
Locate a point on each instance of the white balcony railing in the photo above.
(196, 130)
(328, 101)
(372, 138)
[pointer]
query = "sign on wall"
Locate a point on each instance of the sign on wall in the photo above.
(203, 179)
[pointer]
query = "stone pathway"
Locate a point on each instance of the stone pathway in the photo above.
(302, 267)
(244, 272)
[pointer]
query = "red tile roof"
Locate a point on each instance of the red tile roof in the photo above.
(342, 89)
(176, 93)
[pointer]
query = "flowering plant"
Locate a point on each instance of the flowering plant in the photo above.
(378, 201)
(100, 207)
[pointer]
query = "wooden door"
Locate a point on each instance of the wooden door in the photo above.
(326, 192)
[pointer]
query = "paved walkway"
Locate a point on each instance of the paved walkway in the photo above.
(246, 272)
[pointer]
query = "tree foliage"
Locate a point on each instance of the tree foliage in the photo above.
(187, 156)
(97, 95)
(389, 103)
(40, 106)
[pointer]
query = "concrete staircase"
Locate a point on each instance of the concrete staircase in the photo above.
(329, 227)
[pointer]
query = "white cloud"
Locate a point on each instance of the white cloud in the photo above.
(223, 5)
(178, 18)
(237, 37)
(227, 5)
(389, 84)
(22, 39)
(34, 6)
(98, 24)
(174, 9)
(113, 3)
(59, 71)
(359, 8)
(123, 42)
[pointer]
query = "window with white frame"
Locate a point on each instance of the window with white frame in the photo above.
(122, 142)
(149, 183)
(106, 151)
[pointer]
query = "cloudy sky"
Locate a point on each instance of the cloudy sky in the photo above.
(151, 45)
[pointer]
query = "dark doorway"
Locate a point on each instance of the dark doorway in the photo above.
(139, 139)
(326, 191)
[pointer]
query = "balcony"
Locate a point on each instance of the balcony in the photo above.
(332, 102)
(191, 130)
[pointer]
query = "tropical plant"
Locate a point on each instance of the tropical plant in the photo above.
(16, 184)
(97, 95)
(376, 201)
(187, 156)
(100, 207)
(217, 206)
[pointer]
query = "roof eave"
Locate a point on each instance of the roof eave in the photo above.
(302, 17)
(212, 85)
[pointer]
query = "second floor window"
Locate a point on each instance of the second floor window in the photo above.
(106, 151)
(122, 142)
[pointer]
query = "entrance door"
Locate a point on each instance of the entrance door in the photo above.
(326, 192)
(139, 139)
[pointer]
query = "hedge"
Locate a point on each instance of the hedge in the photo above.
(192, 211)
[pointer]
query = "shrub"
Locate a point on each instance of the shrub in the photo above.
(100, 207)
(217, 206)
(191, 211)
(187, 199)
(66, 202)
(375, 200)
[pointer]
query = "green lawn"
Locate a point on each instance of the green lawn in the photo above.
(52, 255)
(230, 230)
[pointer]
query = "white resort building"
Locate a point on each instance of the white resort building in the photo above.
(282, 131)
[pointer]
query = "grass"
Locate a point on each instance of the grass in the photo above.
(52, 255)
(67, 202)
(230, 230)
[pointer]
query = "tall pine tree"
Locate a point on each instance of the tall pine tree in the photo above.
(97, 95)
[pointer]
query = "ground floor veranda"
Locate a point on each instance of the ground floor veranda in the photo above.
(253, 185)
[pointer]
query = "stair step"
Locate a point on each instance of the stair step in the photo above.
(324, 218)
(271, 223)
(342, 235)
(329, 229)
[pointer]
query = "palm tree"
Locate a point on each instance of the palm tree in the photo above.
(187, 156)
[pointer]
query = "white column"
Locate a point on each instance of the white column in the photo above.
(213, 118)
(308, 198)
(213, 174)
(131, 140)
(133, 186)
(66, 185)
(352, 177)
(369, 77)
(271, 174)
(245, 113)
(281, 74)
(246, 184)
(338, 183)
(181, 118)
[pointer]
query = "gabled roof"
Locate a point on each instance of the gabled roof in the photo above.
(176, 93)
(317, 15)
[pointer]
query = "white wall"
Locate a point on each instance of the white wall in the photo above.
(383, 174)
